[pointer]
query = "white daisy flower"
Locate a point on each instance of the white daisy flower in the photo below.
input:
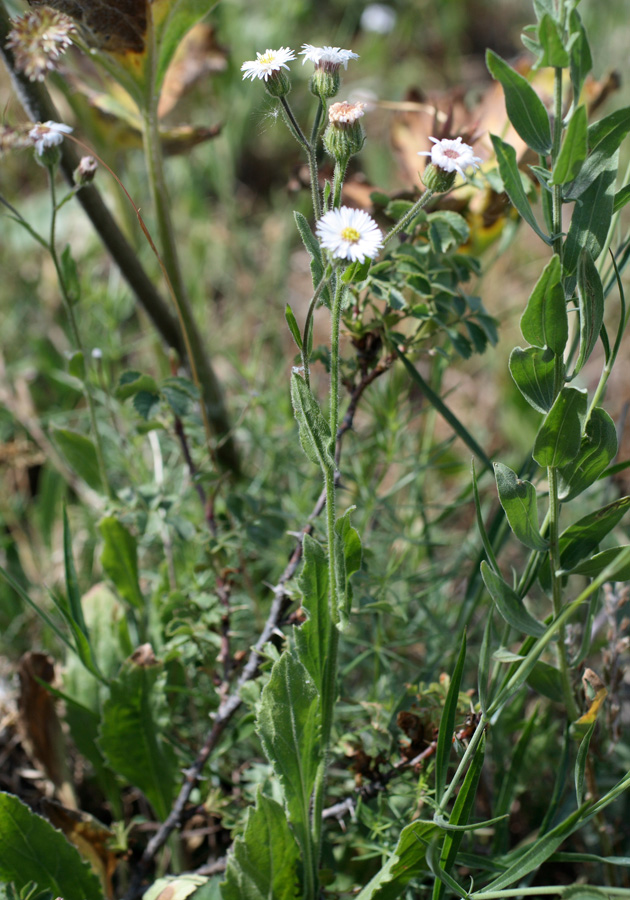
(452, 156)
(327, 58)
(268, 63)
(48, 134)
(349, 234)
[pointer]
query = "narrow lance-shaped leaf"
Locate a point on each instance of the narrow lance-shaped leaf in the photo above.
(591, 307)
(294, 328)
(554, 52)
(511, 178)
(264, 861)
(544, 322)
(574, 149)
(597, 450)
(534, 372)
(120, 560)
(604, 139)
(559, 438)
(581, 538)
(525, 109)
(518, 499)
(348, 561)
(595, 565)
(314, 430)
(591, 217)
(580, 763)
(447, 724)
(509, 604)
(312, 638)
(581, 61)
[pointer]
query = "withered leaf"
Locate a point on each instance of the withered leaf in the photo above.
(118, 26)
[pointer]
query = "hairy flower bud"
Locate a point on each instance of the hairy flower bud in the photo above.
(344, 136)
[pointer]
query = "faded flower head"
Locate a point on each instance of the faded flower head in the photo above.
(48, 134)
(267, 64)
(452, 155)
(13, 139)
(327, 58)
(349, 234)
(38, 39)
(345, 113)
(85, 171)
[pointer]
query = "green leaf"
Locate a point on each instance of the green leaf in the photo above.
(621, 198)
(172, 20)
(544, 322)
(546, 680)
(581, 59)
(263, 864)
(525, 109)
(550, 38)
(179, 887)
(31, 850)
(294, 328)
(76, 365)
(483, 671)
(357, 271)
(513, 184)
(347, 562)
(574, 149)
(408, 861)
(580, 539)
(559, 438)
(72, 584)
(70, 275)
(179, 393)
(592, 216)
(513, 777)
(289, 729)
(518, 499)
(144, 402)
(313, 428)
(131, 735)
(120, 560)
(313, 249)
(597, 449)
(604, 138)
(312, 638)
(595, 565)
(131, 383)
(534, 372)
(80, 454)
(447, 724)
(509, 604)
(447, 230)
(591, 307)
(580, 763)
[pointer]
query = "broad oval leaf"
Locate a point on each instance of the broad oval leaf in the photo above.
(525, 109)
(544, 322)
(509, 604)
(518, 499)
(534, 372)
(31, 850)
(560, 435)
(597, 449)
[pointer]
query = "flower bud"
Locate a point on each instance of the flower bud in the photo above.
(278, 84)
(325, 84)
(344, 136)
(437, 179)
(85, 171)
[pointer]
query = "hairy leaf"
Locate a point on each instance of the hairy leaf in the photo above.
(314, 430)
(312, 638)
(347, 561)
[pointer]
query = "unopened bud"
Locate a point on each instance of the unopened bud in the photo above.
(437, 179)
(278, 84)
(85, 171)
(324, 83)
(344, 136)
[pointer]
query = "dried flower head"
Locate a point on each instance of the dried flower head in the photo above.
(349, 234)
(345, 113)
(48, 134)
(327, 58)
(13, 139)
(38, 39)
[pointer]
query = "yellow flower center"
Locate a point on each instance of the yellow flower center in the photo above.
(351, 235)
(267, 57)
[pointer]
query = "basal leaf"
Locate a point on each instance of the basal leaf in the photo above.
(120, 560)
(313, 428)
(591, 306)
(289, 729)
(80, 454)
(31, 850)
(263, 863)
(544, 322)
(574, 149)
(509, 604)
(511, 178)
(406, 862)
(525, 109)
(534, 372)
(518, 499)
(559, 438)
(131, 735)
(597, 449)
(312, 638)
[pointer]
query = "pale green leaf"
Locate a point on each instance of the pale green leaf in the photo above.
(509, 604)
(534, 372)
(518, 499)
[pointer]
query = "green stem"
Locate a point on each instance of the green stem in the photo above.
(308, 322)
(329, 687)
(545, 890)
(463, 765)
(556, 583)
(340, 173)
(100, 457)
(321, 106)
(415, 209)
(310, 150)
